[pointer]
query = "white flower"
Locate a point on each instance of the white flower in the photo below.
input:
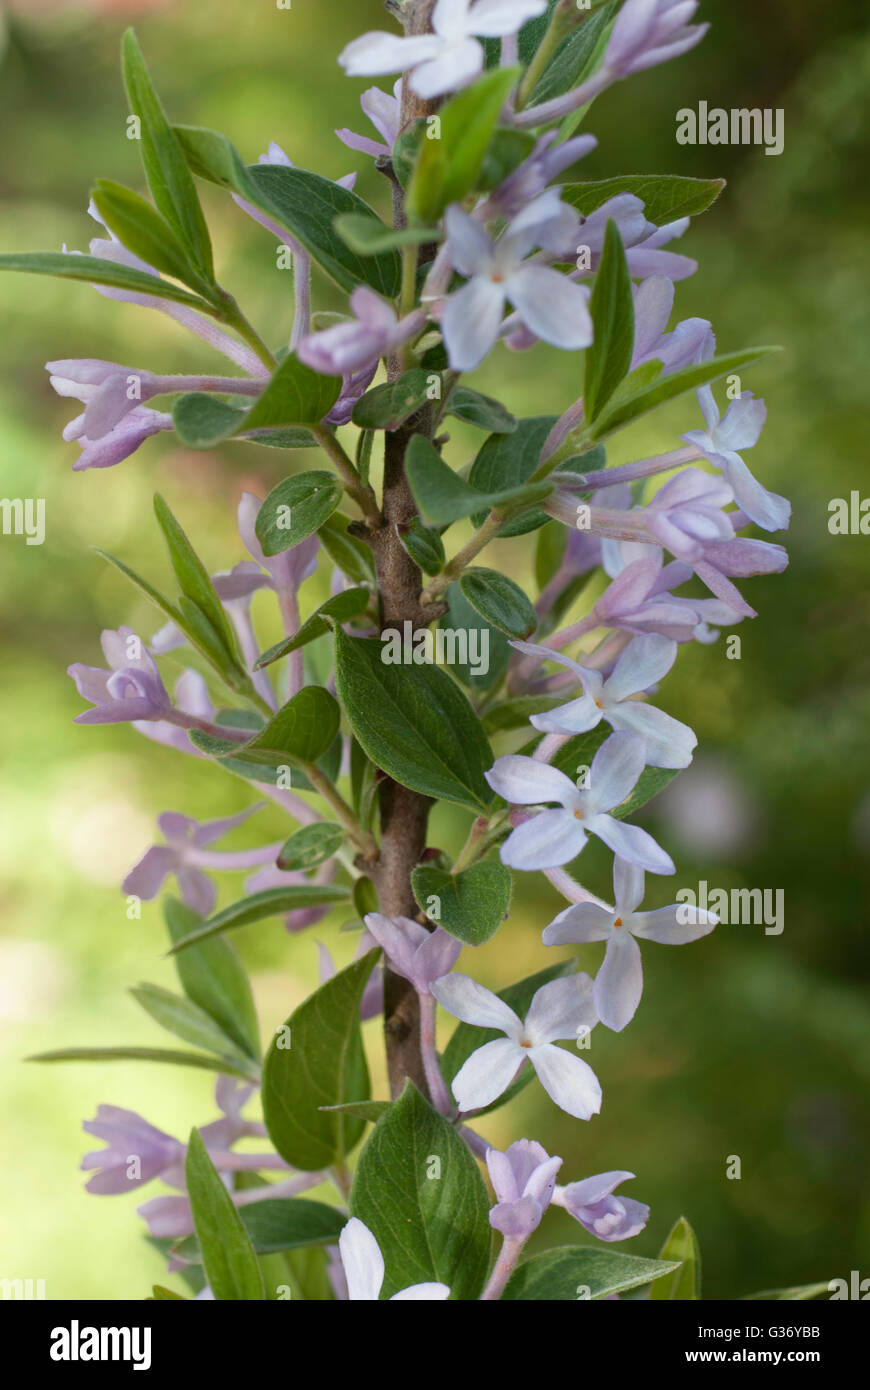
(364, 1269)
(645, 661)
(551, 838)
(550, 305)
(562, 1009)
(450, 57)
(619, 982)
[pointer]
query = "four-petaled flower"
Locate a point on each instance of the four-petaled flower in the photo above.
(719, 444)
(448, 58)
(619, 982)
(645, 661)
(524, 1180)
(551, 838)
(364, 1269)
(185, 855)
(561, 1009)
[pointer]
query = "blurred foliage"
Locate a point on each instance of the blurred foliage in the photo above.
(745, 1044)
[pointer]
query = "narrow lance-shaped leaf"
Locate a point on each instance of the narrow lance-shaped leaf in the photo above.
(193, 577)
(169, 179)
(97, 271)
(271, 902)
(612, 308)
(187, 1021)
(142, 229)
(202, 1061)
(579, 1272)
(684, 1284)
(231, 1267)
(214, 978)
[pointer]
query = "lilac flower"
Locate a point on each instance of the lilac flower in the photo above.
(136, 1152)
(647, 32)
(653, 302)
(191, 698)
(384, 112)
(647, 258)
(235, 588)
(524, 1179)
(561, 1009)
(642, 664)
(525, 183)
(592, 1203)
(364, 1269)
(638, 601)
(719, 443)
(130, 690)
(551, 838)
(114, 437)
(450, 57)
(619, 982)
(547, 303)
(414, 952)
(185, 855)
(357, 344)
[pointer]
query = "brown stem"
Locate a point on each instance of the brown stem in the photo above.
(403, 813)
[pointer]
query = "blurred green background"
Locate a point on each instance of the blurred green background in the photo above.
(745, 1044)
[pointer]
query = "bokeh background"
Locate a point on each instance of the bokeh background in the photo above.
(746, 1044)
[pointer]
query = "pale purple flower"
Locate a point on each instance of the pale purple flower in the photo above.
(563, 1008)
(653, 302)
(592, 1203)
(642, 664)
(414, 952)
(551, 838)
(525, 183)
(235, 588)
(190, 697)
(719, 443)
(352, 387)
(354, 346)
(619, 982)
(185, 855)
(546, 302)
(107, 437)
(524, 1180)
(384, 112)
(647, 258)
(647, 32)
(131, 689)
(448, 58)
(626, 210)
(364, 1269)
(135, 1151)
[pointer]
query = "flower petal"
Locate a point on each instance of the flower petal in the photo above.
(487, 1073)
(568, 1080)
(471, 322)
(564, 1008)
(362, 1260)
(615, 770)
(526, 781)
(550, 305)
(666, 924)
(582, 922)
(619, 982)
(545, 841)
(644, 662)
(668, 743)
(633, 843)
(474, 1003)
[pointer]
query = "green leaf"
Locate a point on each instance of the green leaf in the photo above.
(500, 601)
(271, 902)
(413, 722)
(368, 1110)
(202, 421)
(187, 1021)
(193, 577)
(406, 149)
(579, 752)
(574, 1272)
(493, 652)
(144, 587)
(424, 545)
(444, 497)
(507, 149)
(419, 1191)
(447, 168)
(310, 846)
(507, 461)
(144, 232)
(160, 1294)
(549, 552)
(309, 205)
(213, 977)
(143, 1054)
(296, 395)
(97, 271)
(666, 197)
(575, 58)
(169, 180)
(339, 609)
(685, 1282)
(295, 508)
(317, 1059)
(386, 407)
(630, 407)
(280, 1223)
(352, 557)
(231, 1267)
(482, 411)
(467, 1038)
(799, 1293)
(472, 905)
(367, 237)
(612, 307)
